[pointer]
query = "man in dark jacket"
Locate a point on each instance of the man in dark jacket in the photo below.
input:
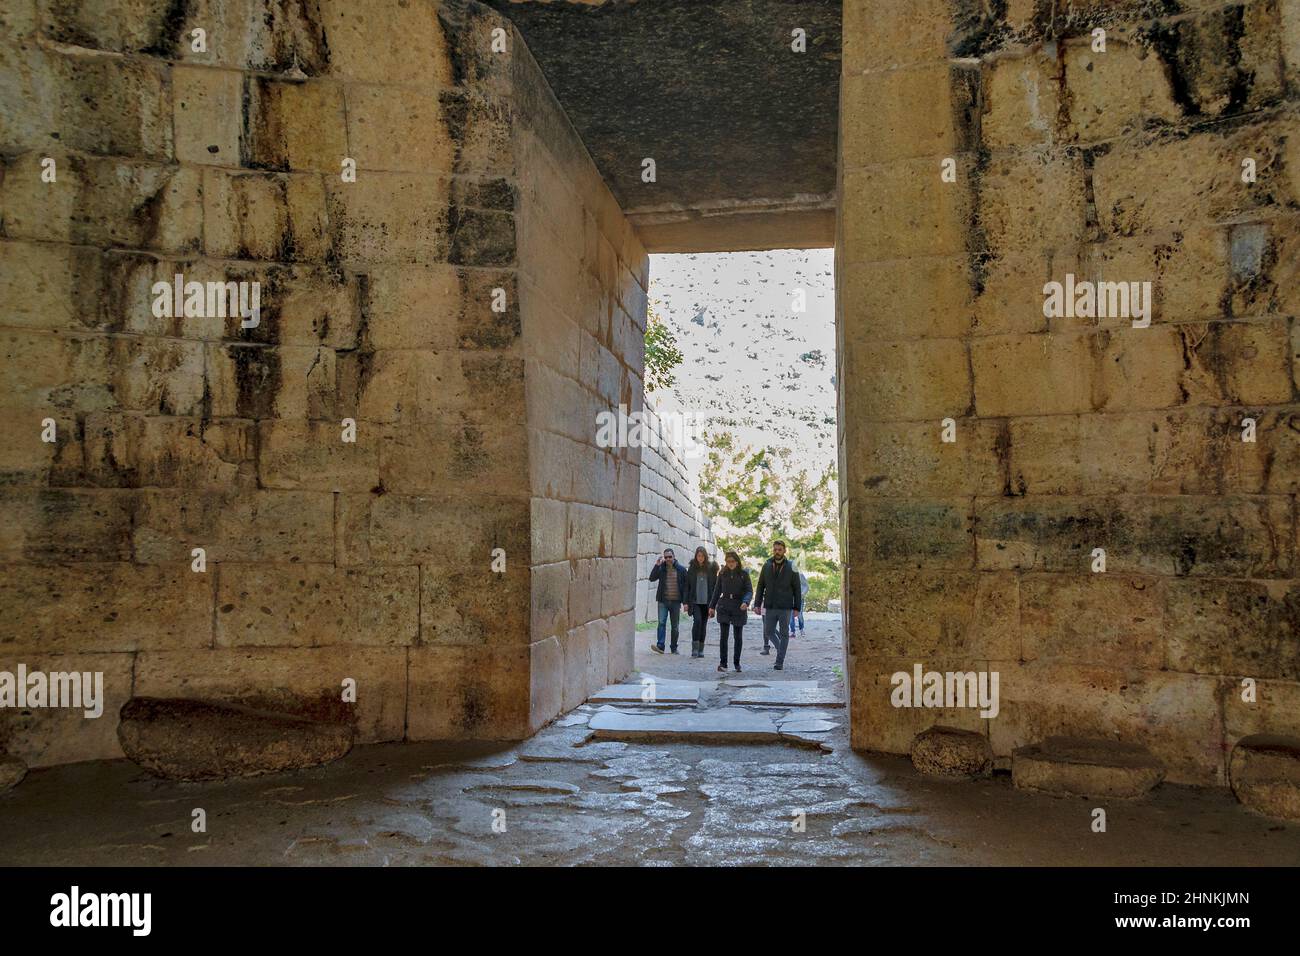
(777, 594)
(671, 595)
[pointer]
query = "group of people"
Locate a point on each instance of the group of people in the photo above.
(704, 590)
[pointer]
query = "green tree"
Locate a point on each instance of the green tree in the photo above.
(662, 355)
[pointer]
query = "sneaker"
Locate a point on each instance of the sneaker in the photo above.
(763, 652)
(737, 668)
(722, 668)
(674, 650)
(656, 648)
(777, 667)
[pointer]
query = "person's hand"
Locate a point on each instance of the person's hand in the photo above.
(660, 561)
(686, 607)
(710, 612)
(744, 607)
(758, 609)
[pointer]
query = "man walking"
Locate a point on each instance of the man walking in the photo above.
(671, 595)
(778, 593)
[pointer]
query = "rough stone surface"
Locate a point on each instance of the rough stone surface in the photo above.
(1264, 772)
(949, 752)
(664, 693)
(1086, 767)
(183, 739)
(751, 163)
(724, 725)
(12, 771)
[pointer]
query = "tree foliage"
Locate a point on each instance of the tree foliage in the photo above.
(662, 355)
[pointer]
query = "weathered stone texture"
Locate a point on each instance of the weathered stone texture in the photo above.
(1072, 433)
(476, 261)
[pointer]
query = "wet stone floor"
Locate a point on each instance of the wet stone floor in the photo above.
(567, 797)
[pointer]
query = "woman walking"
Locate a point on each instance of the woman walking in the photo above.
(731, 601)
(701, 576)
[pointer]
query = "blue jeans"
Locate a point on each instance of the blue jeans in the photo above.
(776, 631)
(796, 617)
(667, 611)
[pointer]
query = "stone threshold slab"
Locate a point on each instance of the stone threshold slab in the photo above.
(732, 726)
(777, 696)
(665, 692)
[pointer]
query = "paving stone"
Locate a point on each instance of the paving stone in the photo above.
(949, 752)
(573, 720)
(768, 683)
(532, 786)
(807, 726)
(723, 724)
(665, 692)
(12, 771)
(183, 739)
(1086, 767)
(1264, 772)
(777, 695)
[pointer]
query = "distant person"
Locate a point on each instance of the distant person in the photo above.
(796, 615)
(776, 595)
(730, 602)
(701, 576)
(671, 595)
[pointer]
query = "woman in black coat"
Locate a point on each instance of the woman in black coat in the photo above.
(731, 602)
(701, 577)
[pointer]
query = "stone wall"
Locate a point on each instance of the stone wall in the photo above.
(670, 509)
(325, 560)
(1072, 434)
(583, 277)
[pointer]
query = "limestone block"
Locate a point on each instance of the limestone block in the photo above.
(1030, 199)
(313, 456)
(1088, 618)
(103, 201)
(925, 533)
(276, 216)
(935, 613)
(295, 125)
(55, 525)
(1021, 101)
(1233, 627)
(546, 682)
(473, 452)
(891, 115)
(903, 210)
(1264, 772)
(252, 525)
(462, 601)
(1200, 536)
(184, 739)
(247, 381)
(207, 115)
(315, 605)
(917, 298)
(550, 599)
(621, 652)
(879, 726)
(470, 693)
(1072, 766)
(910, 458)
(44, 736)
(909, 381)
(1116, 92)
(1176, 716)
(880, 35)
(414, 529)
(301, 681)
(948, 752)
(96, 607)
(584, 591)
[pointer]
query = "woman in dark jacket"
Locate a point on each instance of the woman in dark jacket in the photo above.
(731, 601)
(701, 577)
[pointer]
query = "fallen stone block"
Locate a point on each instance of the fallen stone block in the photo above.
(185, 739)
(1086, 767)
(1264, 772)
(12, 771)
(949, 752)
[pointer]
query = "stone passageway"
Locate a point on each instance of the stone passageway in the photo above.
(567, 796)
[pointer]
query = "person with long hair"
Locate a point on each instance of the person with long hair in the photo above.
(730, 603)
(701, 576)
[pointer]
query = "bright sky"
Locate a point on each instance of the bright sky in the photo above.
(748, 354)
